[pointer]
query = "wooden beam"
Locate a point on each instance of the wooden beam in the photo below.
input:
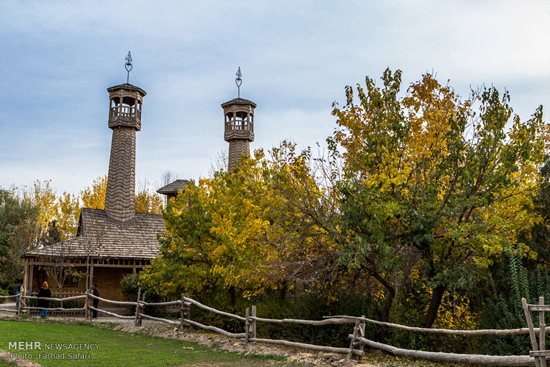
(452, 357)
(29, 288)
(26, 273)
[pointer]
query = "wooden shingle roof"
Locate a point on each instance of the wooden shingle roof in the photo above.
(101, 236)
(173, 188)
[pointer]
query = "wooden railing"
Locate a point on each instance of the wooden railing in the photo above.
(357, 339)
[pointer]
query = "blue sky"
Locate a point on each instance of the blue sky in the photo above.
(58, 58)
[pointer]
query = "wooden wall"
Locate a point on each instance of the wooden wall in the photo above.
(107, 279)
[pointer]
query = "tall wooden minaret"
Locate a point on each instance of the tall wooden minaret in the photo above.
(239, 125)
(124, 119)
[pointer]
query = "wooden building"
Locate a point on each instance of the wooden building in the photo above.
(110, 247)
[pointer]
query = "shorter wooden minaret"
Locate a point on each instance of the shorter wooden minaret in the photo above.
(239, 125)
(124, 119)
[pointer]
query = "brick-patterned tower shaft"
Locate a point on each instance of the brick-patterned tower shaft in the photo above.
(239, 128)
(124, 119)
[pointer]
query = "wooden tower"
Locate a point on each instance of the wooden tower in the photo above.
(124, 119)
(239, 126)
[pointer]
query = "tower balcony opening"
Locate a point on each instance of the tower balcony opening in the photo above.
(239, 121)
(125, 108)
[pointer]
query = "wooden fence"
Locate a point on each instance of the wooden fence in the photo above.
(537, 357)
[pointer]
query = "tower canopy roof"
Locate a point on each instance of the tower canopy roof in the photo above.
(129, 87)
(173, 188)
(238, 101)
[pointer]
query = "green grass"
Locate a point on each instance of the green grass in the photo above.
(116, 348)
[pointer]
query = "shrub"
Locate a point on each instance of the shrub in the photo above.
(505, 311)
(4, 292)
(129, 286)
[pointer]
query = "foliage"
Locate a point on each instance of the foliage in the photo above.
(148, 201)
(4, 292)
(433, 177)
(504, 309)
(212, 236)
(129, 286)
(19, 233)
(94, 197)
(64, 210)
(307, 306)
(255, 229)
(538, 236)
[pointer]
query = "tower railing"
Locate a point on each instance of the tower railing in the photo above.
(238, 125)
(125, 111)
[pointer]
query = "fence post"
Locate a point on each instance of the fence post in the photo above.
(137, 307)
(141, 308)
(23, 304)
(352, 342)
(254, 323)
(542, 329)
(87, 306)
(362, 335)
(182, 312)
(247, 326)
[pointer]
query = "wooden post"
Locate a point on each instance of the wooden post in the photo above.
(31, 267)
(182, 312)
(538, 354)
(542, 328)
(352, 342)
(137, 307)
(254, 323)
(188, 310)
(91, 277)
(26, 273)
(247, 327)
(141, 309)
(362, 335)
(358, 332)
(87, 305)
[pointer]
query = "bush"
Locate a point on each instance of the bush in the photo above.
(4, 292)
(129, 286)
(307, 306)
(505, 311)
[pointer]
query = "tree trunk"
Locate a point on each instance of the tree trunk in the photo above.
(431, 314)
(390, 294)
(233, 296)
(282, 292)
(386, 314)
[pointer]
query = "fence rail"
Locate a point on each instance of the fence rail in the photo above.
(537, 357)
(444, 331)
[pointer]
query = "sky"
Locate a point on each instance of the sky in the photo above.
(57, 59)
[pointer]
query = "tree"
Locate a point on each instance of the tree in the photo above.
(213, 233)
(147, 200)
(433, 177)
(94, 197)
(19, 234)
(64, 209)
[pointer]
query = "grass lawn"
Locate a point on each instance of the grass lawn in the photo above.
(115, 348)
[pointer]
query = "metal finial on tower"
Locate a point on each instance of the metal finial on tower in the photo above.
(128, 66)
(239, 81)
